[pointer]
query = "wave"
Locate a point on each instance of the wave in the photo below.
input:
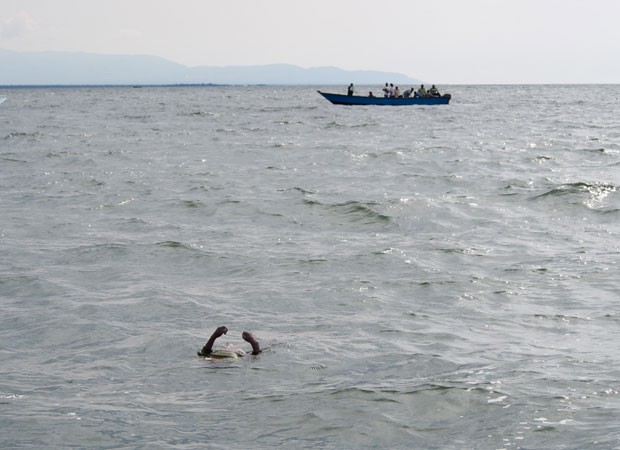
(139, 117)
(198, 114)
(354, 211)
(394, 393)
(8, 158)
(591, 195)
(21, 135)
(288, 108)
(192, 203)
(301, 190)
(174, 244)
(113, 250)
(335, 124)
(473, 251)
(194, 249)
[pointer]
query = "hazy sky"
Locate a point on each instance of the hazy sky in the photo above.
(440, 41)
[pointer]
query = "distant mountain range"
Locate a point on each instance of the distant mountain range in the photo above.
(63, 68)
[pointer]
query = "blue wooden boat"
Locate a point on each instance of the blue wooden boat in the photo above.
(340, 99)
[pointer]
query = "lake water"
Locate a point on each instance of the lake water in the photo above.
(440, 277)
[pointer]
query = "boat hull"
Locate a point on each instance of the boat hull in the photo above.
(340, 99)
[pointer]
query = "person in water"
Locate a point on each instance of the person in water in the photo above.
(207, 350)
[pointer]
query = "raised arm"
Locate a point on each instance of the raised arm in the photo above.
(208, 348)
(249, 337)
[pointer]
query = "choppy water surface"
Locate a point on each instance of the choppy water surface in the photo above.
(422, 277)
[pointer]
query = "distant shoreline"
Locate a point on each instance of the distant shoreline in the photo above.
(137, 86)
(171, 85)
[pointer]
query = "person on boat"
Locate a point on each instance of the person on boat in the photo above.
(208, 352)
(386, 91)
(407, 93)
(371, 95)
(397, 93)
(422, 92)
(434, 92)
(350, 90)
(391, 90)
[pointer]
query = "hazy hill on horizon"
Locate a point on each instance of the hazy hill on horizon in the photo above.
(67, 68)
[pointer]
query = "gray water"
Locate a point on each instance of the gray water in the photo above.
(420, 277)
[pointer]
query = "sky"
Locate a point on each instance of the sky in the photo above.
(438, 41)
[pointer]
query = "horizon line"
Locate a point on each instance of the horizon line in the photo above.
(215, 85)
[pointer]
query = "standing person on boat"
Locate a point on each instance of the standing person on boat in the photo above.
(350, 90)
(422, 92)
(391, 90)
(386, 91)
